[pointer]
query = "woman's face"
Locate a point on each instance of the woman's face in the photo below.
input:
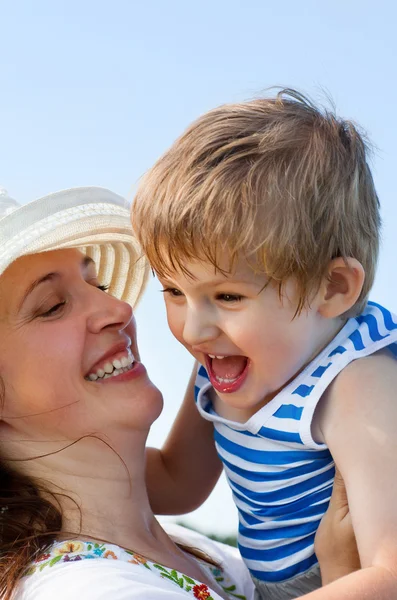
(58, 332)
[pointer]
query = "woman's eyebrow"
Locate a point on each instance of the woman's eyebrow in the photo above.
(86, 262)
(35, 284)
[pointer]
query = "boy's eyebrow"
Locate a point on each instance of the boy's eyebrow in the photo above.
(231, 281)
(217, 281)
(50, 277)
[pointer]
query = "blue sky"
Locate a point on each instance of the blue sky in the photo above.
(92, 92)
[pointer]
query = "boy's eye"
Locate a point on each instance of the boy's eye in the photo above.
(174, 292)
(229, 298)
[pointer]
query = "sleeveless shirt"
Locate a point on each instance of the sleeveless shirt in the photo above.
(281, 478)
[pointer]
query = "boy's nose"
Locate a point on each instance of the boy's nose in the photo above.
(199, 328)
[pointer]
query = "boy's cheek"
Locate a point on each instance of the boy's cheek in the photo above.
(176, 324)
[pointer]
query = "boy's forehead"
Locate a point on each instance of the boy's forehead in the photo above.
(205, 272)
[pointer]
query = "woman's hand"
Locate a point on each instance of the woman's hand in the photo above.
(335, 543)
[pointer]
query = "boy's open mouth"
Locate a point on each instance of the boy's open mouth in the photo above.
(227, 373)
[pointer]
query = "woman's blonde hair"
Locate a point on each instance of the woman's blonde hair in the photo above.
(277, 180)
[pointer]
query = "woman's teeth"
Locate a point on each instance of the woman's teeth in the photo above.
(114, 368)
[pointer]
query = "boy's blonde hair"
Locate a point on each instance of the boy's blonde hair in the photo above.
(275, 180)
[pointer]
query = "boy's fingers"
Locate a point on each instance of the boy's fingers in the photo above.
(339, 495)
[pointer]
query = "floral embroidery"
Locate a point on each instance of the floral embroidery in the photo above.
(226, 585)
(137, 559)
(42, 557)
(69, 548)
(201, 592)
(140, 559)
(73, 551)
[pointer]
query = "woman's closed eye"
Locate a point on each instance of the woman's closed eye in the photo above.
(58, 306)
(55, 309)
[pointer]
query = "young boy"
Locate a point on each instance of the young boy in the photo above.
(262, 224)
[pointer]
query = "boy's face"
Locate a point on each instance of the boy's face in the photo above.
(247, 337)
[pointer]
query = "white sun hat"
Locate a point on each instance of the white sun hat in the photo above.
(92, 219)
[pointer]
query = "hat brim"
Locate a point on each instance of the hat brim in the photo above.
(92, 219)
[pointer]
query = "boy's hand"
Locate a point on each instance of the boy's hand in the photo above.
(335, 542)
(182, 474)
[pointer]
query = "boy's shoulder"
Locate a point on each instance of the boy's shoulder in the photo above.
(364, 387)
(364, 377)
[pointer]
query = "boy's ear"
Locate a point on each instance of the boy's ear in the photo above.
(341, 287)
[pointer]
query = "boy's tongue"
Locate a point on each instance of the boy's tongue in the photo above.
(229, 367)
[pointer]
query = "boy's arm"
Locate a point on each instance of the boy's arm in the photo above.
(335, 543)
(182, 474)
(359, 424)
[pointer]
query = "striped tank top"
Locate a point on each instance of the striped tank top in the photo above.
(281, 479)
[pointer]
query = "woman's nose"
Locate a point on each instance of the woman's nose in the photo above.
(108, 311)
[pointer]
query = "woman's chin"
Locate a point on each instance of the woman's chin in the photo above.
(137, 410)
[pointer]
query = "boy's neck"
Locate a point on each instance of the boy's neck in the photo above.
(240, 415)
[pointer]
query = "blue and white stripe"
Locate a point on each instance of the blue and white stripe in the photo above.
(281, 479)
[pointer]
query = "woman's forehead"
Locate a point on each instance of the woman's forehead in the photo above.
(26, 270)
(26, 266)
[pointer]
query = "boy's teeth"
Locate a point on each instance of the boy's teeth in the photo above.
(225, 379)
(124, 361)
(213, 356)
(92, 376)
(100, 372)
(117, 363)
(108, 367)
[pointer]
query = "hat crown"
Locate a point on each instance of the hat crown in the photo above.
(7, 204)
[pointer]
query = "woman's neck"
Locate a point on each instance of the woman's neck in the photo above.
(99, 484)
(101, 490)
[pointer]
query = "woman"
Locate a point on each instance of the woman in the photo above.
(77, 406)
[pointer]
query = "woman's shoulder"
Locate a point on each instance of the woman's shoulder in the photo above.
(87, 569)
(97, 581)
(83, 580)
(101, 571)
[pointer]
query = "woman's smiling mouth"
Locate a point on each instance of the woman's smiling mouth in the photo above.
(112, 368)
